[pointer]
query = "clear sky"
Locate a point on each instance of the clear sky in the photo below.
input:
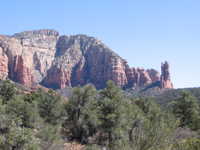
(144, 32)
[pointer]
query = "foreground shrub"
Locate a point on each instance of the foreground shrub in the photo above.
(81, 115)
(13, 135)
(187, 144)
(187, 110)
(7, 91)
(49, 106)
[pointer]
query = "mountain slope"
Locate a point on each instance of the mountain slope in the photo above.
(163, 96)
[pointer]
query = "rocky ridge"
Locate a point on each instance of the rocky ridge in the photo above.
(46, 58)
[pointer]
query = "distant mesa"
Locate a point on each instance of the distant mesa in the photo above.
(43, 57)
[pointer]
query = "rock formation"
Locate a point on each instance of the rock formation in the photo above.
(3, 65)
(43, 57)
(29, 55)
(165, 80)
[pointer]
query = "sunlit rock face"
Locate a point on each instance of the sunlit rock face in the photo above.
(43, 57)
(3, 65)
(29, 55)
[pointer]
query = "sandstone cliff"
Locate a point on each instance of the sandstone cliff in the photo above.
(43, 57)
(165, 76)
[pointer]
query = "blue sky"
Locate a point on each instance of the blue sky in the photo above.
(144, 32)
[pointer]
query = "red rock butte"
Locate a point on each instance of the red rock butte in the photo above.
(44, 57)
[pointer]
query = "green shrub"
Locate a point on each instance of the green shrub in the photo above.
(187, 144)
(7, 91)
(50, 106)
(27, 112)
(187, 110)
(81, 115)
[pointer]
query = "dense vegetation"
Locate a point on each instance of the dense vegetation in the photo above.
(105, 119)
(163, 96)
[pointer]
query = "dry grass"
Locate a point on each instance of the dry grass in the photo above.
(73, 146)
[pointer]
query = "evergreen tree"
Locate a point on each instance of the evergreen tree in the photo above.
(153, 131)
(50, 106)
(81, 115)
(13, 136)
(113, 118)
(187, 110)
(27, 112)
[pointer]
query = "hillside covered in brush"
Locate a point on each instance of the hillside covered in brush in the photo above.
(91, 119)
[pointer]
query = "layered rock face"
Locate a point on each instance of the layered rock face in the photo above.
(43, 57)
(27, 56)
(3, 65)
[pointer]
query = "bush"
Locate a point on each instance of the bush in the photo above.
(187, 144)
(7, 91)
(154, 130)
(13, 135)
(187, 110)
(50, 106)
(48, 135)
(27, 112)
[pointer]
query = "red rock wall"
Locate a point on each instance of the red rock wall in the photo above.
(3, 65)
(21, 73)
(42, 57)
